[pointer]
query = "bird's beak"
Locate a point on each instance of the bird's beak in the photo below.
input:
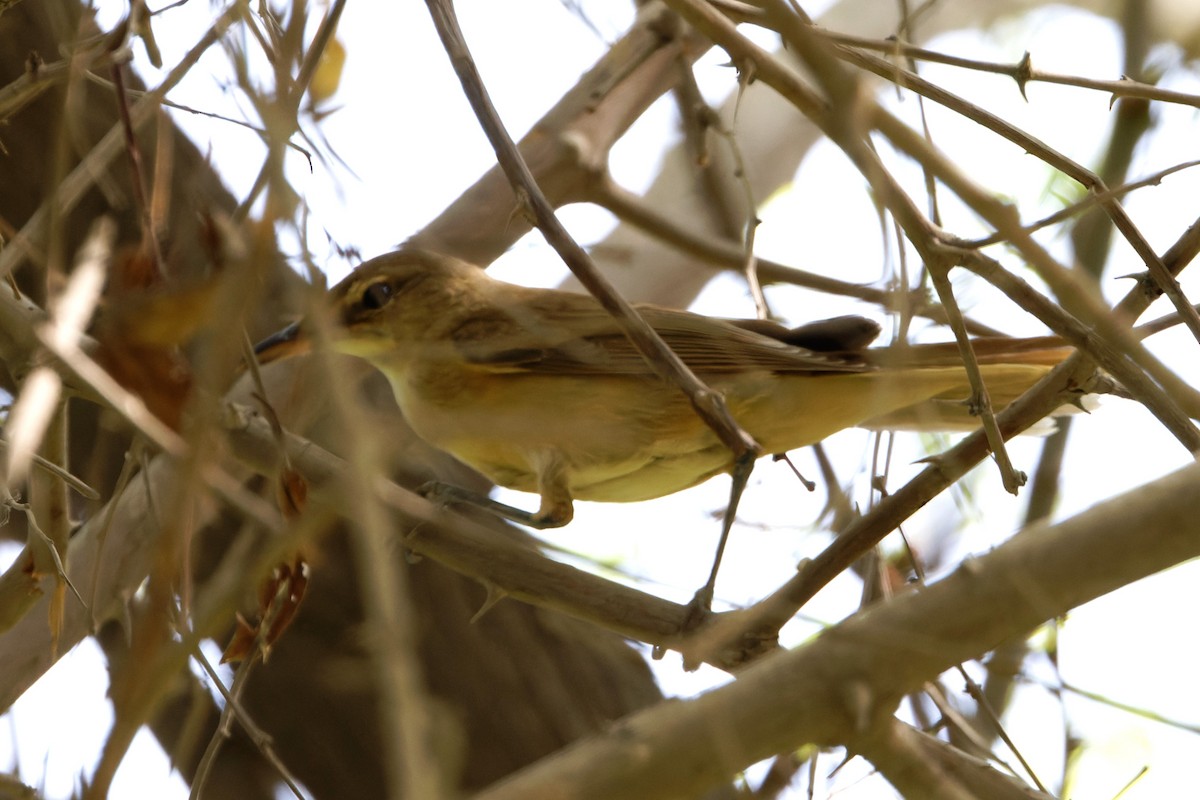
(290, 341)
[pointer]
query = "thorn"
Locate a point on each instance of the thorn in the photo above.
(1076, 401)
(1024, 73)
(494, 595)
(1133, 276)
(1114, 97)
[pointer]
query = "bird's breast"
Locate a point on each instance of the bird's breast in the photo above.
(504, 424)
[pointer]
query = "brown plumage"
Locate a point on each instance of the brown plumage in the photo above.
(541, 391)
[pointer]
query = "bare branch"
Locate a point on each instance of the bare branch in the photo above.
(845, 683)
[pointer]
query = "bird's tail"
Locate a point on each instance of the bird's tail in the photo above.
(1046, 351)
(1009, 367)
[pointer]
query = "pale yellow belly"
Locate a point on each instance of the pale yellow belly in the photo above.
(627, 439)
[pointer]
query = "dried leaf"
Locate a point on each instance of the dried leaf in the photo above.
(242, 643)
(160, 376)
(292, 493)
(144, 324)
(279, 598)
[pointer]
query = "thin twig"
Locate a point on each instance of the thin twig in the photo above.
(137, 176)
(762, 621)
(1022, 71)
(1077, 294)
(71, 190)
(409, 716)
(980, 401)
(1087, 178)
(76, 483)
(976, 693)
(234, 710)
(1088, 201)
(708, 404)
(471, 548)
(41, 390)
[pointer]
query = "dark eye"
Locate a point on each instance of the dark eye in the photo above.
(377, 295)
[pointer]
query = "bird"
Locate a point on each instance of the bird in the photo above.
(541, 391)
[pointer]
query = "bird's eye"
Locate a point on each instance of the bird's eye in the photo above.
(377, 295)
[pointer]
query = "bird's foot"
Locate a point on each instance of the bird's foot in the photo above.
(443, 494)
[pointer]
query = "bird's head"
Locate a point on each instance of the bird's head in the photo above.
(390, 302)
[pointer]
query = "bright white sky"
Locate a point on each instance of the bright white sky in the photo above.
(406, 132)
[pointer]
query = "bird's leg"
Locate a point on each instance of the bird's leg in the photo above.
(701, 603)
(557, 508)
(555, 511)
(444, 493)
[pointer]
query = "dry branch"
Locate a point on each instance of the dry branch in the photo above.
(848, 681)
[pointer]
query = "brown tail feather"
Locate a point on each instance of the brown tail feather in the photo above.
(1039, 350)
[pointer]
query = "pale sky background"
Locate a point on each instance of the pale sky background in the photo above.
(406, 132)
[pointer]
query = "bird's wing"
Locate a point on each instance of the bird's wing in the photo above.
(568, 334)
(844, 335)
